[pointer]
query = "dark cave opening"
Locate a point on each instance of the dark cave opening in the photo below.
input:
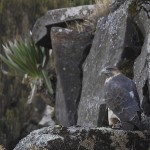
(127, 65)
(134, 41)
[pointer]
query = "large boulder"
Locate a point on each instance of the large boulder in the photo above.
(142, 65)
(142, 18)
(70, 50)
(115, 4)
(141, 73)
(58, 17)
(73, 138)
(115, 40)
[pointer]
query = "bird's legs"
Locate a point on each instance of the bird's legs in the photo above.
(118, 125)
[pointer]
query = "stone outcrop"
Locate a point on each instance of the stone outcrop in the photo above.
(73, 138)
(115, 38)
(121, 38)
(142, 19)
(142, 66)
(116, 4)
(58, 17)
(70, 50)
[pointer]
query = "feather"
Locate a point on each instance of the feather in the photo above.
(122, 98)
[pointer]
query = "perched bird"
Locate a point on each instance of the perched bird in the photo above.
(122, 100)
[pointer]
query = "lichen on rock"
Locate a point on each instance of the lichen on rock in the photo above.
(81, 138)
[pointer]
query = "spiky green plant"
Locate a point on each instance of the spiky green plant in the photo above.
(25, 58)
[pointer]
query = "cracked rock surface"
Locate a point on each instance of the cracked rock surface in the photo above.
(79, 138)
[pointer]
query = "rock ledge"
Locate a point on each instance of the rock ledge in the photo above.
(73, 138)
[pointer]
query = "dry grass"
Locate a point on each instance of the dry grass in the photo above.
(102, 9)
(76, 25)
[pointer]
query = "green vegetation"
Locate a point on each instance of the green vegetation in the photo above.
(25, 58)
(17, 17)
(139, 5)
(14, 110)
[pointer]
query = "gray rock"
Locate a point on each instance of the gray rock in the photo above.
(143, 21)
(73, 138)
(148, 59)
(58, 17)
(116, 4)
(144, 84)
(142, 63)
(114, 36)
(70, 49)
(141, 69)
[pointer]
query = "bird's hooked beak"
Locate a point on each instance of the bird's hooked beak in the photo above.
(104, 71)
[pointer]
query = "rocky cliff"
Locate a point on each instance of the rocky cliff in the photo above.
(121, 37)
(79, 138)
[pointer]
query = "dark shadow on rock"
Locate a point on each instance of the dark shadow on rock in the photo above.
(146, 101)
(141, 65)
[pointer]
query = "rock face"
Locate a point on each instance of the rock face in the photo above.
(73, 138)
(119, 38)
(141, 72)
(58, 17)
(115, 37)
(142, 66)
(116, 4)
(70, 49)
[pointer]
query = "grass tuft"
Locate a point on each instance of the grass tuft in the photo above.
(26, 59)
(102, 9)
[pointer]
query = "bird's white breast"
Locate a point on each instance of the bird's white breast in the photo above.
(111, 116)
(108, 79)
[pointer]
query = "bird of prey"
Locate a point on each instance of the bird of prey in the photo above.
(122, 100)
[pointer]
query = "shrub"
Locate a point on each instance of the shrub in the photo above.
(26, 59)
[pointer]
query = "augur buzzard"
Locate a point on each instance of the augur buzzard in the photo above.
(122, 100)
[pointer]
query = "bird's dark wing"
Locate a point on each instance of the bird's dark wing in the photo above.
(120, 101)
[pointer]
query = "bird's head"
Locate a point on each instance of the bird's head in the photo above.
(110, 71)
